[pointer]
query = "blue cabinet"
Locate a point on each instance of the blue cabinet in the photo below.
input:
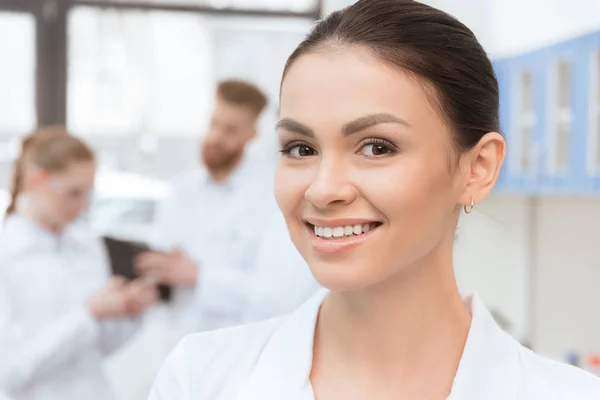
(550, 115)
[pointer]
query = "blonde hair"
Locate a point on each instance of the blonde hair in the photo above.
(50, 148)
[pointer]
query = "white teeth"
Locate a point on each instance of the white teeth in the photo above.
(338, 232)
(341, 231)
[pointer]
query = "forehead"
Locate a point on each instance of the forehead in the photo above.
(78, 172)
(338, 85)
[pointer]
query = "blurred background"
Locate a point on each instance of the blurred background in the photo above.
(136, 79)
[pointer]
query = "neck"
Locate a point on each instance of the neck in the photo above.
(401, 335)
(37, 217)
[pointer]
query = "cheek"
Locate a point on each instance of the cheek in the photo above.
(412, 196)
(291, 183)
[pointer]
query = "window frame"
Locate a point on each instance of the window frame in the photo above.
(525, 118)
(593, 153)
(559, 116)
(51, 40)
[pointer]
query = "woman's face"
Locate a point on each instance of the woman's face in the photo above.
(367, 180)
(62, 196)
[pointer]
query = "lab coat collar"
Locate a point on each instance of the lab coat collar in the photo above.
(489, 367)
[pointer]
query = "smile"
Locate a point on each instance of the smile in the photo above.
(334, 237)
(326, 232)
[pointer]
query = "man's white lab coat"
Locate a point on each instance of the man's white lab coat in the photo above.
(282, 279)
(50, 346)
(227, 228)
(272, 360)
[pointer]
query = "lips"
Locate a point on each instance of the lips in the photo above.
(337, 236)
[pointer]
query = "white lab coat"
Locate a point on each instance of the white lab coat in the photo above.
(50, 346)
(282, 281)
(272, 360)
(222, 227)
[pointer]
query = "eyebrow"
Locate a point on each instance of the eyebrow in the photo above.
(369, 121)
(355, 126)
(294, 126)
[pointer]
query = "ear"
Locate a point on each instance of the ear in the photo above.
(34, 177)
(482, 166)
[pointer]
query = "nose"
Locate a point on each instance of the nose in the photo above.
(331, 185)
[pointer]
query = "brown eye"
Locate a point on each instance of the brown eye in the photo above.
(299, 151)
(305, 151)
(375, 150)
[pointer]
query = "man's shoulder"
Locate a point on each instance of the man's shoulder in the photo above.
(557, 380)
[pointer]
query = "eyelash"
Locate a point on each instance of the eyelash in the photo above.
(391, 148)
(287, 149)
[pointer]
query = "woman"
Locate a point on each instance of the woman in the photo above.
(388, 129)
(61, 314)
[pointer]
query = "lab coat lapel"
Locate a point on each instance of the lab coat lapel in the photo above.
(283, 369)
(489, 368)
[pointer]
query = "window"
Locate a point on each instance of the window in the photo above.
(562, 116)
(526, 123)
(138, 73)
(259, 5)
(17, 75)
(257, 49)
(594, 147)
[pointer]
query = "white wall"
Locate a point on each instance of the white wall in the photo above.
(491, 258)
(538, 263)
(566, 298)
(517, 25)
(510, 26)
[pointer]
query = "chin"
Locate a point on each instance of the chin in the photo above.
(345, 274)
(341, 264)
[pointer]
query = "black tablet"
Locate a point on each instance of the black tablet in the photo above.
(122, 253)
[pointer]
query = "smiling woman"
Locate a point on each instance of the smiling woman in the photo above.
(388, 129)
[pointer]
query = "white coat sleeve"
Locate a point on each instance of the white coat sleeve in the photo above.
(27, 353)
(115, 333)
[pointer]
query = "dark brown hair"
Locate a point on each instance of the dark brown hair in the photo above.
(242, 93)
(50, 148)
(428, 44)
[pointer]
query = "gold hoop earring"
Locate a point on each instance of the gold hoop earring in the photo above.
(469, 208)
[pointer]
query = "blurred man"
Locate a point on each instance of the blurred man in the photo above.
(207, 230)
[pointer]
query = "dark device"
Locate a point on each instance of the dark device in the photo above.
(122, 253)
